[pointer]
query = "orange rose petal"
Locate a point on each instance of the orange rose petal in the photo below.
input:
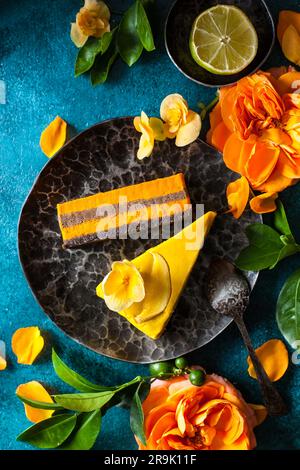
(288, 83)
(54, 136)
(237, 196)
(276, 72)
(260, 412)
(215, 116)
(261, 163)
(290, 165)
(291, 44)
(264, 203)
(27, 343)
(227, 101)
(276, 136)
(163, 424)
(157, 413)
(286, 18)
(276, 182)
(35, 391)
(219, 136)
(274, 358)
(236, 153)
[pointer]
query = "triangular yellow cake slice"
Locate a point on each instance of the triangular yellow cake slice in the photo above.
(181, 253)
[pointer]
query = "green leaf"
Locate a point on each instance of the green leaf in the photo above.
(87, 54)
(280, 220)
(84, 402)
(288, 309)
(85, 433)
(286, 250)
(49, 433)
(73, 379)
(263, 250)
(136, 411)
(40, 404)
(129, 44)
(143, 28)
(103, 64)
(107, 39)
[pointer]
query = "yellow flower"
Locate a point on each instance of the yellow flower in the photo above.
(152, 129)
(180, 122)
(35, 391)
(27, 343)
(123, 286)
(91, 20)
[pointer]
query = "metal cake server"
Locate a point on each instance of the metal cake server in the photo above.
(228, 293)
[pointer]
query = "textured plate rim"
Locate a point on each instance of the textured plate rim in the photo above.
(80, 134)
(217, 85)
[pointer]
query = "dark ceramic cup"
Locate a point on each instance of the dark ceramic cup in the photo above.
(177, 33)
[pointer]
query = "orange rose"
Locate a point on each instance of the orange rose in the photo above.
(256, 125)
(214, 416)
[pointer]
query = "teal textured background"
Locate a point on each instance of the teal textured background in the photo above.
(36, 63)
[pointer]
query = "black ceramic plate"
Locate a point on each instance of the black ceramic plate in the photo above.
(179, 25)
(64, 280)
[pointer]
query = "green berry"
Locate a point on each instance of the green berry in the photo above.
(197, 377)
(181, 363)
(160, 368)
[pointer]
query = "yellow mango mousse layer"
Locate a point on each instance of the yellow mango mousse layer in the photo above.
(86, 220)
(181, 253)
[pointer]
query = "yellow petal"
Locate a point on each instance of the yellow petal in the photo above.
(77, 36)
(142, 124)
(27, 343)
(119, 300)
(157, 126)
(35, 391)
(157, 280)
(291, 44)
(137, 124)
(3, 363)
(54, 136)
(145, 147)
(133, 279)
(100, 7)
(260, 412)
(190, 131)
(112, 282)
(274, 357)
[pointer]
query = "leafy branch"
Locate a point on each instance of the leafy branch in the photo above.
(127, 40)
(267, 245)
(76, 422)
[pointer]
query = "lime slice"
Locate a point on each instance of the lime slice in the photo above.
(223, 40)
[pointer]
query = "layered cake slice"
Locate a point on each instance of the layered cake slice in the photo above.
(165, 270)
(110, 214)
